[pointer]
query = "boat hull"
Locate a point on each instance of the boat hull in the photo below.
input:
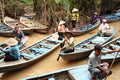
(12, 23)
(83, 50)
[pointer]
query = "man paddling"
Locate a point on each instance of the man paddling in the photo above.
(96, 69)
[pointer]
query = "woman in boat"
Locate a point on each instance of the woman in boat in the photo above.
(103, 28)
(94, 18)
(61, 30)
(11, 51)
(96, 69)
(68, 45)
(74, 18)
(18, 34)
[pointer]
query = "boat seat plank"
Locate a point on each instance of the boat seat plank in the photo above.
(118, 41)
(48, 45)
(89, 44)
(114, 46)
(51, 40)
(80, 73)
(106, 49)
(39, 50)
(81, 49)
(27, 56)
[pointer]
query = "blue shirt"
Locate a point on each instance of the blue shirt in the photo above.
(14, 51)
(19, 34)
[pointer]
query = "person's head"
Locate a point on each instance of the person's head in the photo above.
(61, 23)
(68, 34)
(17, 28)
(75, 10)
(104, 21)
(97, 49)
(95, 13)
(11, 42)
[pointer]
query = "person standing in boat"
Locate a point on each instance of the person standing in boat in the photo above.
(61, 30)
(103, 28)
(74, 18)
(18, 34)
(68, 45)
(95, 67)
(11, 51)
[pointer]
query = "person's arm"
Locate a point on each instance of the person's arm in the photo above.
(70, 41)
(112, 51)
(102, 69)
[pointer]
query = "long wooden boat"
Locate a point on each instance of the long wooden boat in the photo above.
(12, 23)
(114, 44)
(86, 28)
(84, 48)
(74, 73)
(5, 30)
(20, 45)
(111, 17)
(31, 54)
(34, 25)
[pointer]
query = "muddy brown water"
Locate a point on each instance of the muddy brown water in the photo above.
(50, 64)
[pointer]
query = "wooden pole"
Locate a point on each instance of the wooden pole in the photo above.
(112, 63)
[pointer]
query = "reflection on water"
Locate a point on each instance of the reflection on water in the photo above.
(49, 63)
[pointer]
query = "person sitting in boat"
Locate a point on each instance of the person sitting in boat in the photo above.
(103, 28)
(18, 34)
(94, 18)
(61, 30)
(68, 45)
(74, 18)
(96, 69)
(11, 51)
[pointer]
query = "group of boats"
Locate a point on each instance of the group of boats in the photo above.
(36, 51)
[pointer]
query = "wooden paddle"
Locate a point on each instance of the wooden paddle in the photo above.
(112, 63)
(58, 57)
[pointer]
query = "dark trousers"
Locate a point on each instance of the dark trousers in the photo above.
(61, 35)
(9, 57)
(73, 23)
(68, 50)
(65, 50)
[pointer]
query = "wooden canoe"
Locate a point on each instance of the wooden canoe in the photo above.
(34, 25)
(5, 30)
(111, 17)
(12, 23)
(20, 45)
(31, 54)
(74, 73)
(86, 28)
(114, 44)
(84, 48)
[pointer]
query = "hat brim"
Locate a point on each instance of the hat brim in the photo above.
(69, 33)
(11, 42)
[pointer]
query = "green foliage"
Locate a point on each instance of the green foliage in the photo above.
(26, 1)
(58, 1)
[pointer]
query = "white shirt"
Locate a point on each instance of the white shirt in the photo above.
(104, 27)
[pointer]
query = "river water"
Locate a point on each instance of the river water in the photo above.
(49, 63)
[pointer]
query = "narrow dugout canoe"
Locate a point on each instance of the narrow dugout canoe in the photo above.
(12, 23)
(31, 54)
(34, 25)
(111, 17)
(114, 44)
(5, 30)
(74, 73)
(84, 48)
(86, 28)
